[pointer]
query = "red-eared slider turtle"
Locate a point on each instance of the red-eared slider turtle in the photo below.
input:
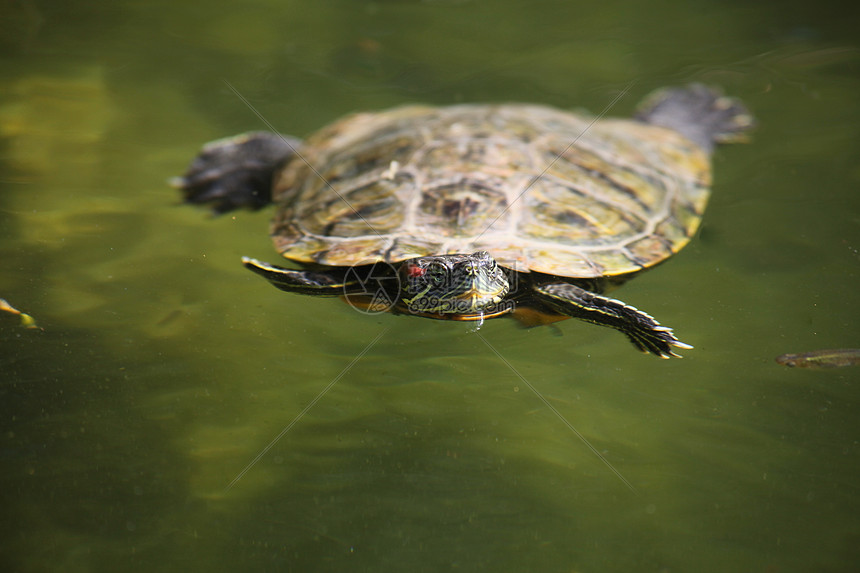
(474, 211)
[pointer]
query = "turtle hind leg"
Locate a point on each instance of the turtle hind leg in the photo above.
(698, 112)
(643, 331)
(236, 172)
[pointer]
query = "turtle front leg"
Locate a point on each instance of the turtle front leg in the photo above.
(646, 333)
(315, 283)
(236, 172)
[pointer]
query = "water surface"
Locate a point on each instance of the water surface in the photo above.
(163, 368)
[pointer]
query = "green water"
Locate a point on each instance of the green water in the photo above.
(163, 369)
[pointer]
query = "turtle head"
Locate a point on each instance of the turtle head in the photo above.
(452, 284)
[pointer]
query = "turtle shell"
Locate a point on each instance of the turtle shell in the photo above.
(541, 189)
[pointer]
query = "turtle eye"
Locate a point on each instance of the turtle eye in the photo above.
(436, 273)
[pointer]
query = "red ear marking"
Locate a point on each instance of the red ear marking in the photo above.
(413, 271)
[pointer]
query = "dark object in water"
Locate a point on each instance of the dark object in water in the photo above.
(822, 358)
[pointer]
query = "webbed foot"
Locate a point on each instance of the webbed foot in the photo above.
(301, 282)
(644, 332)
(700, 113)
(236, 172)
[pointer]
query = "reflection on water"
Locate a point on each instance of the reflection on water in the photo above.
(162, 369)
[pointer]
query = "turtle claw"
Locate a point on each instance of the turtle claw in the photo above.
(659, 342)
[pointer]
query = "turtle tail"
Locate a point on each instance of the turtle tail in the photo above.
(700, 113)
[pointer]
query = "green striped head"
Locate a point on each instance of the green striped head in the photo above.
(452, 284)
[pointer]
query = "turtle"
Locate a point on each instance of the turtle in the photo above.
(476, 211)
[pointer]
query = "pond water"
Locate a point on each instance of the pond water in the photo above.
(173, 412)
